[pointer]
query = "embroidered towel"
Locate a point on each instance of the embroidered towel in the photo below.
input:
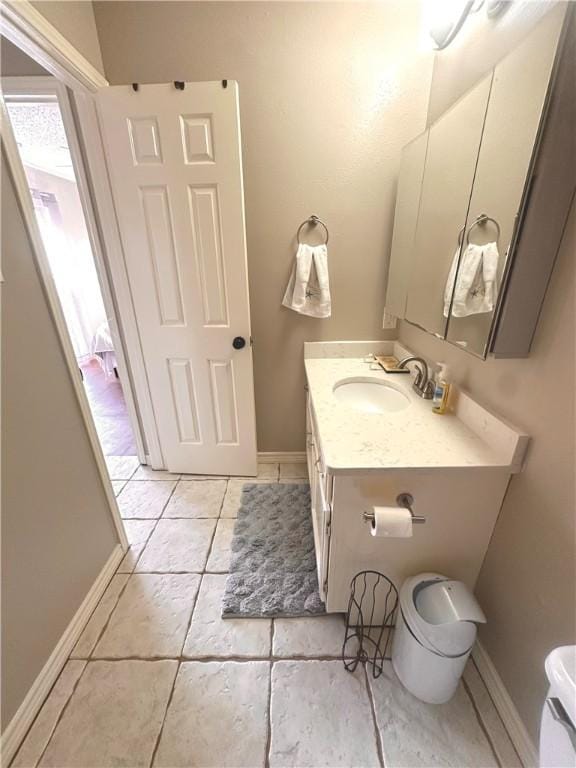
(308, 290)
(474, 281)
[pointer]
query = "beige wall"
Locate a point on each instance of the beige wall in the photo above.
(527, 582)
(15, 62)
(75, 20)
(57, 532)
(329, 94)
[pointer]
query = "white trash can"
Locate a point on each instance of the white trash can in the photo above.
(435, 632)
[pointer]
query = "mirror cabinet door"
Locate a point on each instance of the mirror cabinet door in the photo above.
(517, 98)
(453, 145)
(406, 214)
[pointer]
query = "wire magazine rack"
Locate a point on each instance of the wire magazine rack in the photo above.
(367, 640)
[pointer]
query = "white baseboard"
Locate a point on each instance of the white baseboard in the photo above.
(519, 736)
(17, 728)
(275, 457)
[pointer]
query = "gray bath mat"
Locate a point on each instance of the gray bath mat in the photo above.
(273, 564)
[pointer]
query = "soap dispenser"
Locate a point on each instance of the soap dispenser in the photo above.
(441, 390)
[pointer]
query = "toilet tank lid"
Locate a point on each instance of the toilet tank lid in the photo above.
(561, 671)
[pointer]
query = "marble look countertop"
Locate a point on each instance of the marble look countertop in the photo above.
(414, 438)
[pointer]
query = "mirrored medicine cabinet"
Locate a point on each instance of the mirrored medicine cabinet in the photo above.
(464, 192)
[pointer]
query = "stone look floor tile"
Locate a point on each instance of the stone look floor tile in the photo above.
(268, 471)
(177, 546)
(202, 498)
(219, 560)
(211, 635)
(493, 724)
(145, 472)
(309, 637)
(97, 622)
(296, 480)
(138, 533)
(296, 470)
(114, 716)
(217, 716)
(111, 712)
(122, 467)
(231, 503)
(117, 486)
(320, 716)
(233, 495)
(238, 483)
(418, 735)
(43, 727)
(151, 618)
(145, 498)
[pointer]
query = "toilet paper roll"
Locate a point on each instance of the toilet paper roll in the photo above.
(391, 522)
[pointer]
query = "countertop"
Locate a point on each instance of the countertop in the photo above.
(414, 438)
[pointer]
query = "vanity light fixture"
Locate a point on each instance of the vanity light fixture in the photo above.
(496, 7)
(448, 21)
(450, 15)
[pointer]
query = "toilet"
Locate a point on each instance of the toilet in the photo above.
(558, 724)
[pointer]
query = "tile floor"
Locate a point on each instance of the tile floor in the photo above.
(157, 678)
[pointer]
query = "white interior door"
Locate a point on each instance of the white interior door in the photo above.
(176, 172)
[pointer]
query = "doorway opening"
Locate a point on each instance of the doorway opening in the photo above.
(39, 128)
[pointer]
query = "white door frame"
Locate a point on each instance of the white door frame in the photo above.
(25, 201)
(24, 26)
(48, 86)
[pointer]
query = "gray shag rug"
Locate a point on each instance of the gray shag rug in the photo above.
(273, 563)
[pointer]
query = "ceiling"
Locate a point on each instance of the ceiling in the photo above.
(41, 138)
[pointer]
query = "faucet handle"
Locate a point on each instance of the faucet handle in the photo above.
(429, 389)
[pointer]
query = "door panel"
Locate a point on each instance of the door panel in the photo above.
(162, 250)
(205, 218)
(184, 400)
(175, 165)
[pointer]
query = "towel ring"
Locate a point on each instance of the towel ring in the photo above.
(312, 221)
(478, 222)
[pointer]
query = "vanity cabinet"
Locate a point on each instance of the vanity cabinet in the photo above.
(460, 508)
(456, 467)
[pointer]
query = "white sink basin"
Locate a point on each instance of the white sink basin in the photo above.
(370, 395)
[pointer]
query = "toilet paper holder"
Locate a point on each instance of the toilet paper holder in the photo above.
(404, 500)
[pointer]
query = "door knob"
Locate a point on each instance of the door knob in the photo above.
(239, 342)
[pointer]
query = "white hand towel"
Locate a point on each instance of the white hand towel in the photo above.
(473, 282)
(308, 290)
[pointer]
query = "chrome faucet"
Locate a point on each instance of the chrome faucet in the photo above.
(423, 385)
